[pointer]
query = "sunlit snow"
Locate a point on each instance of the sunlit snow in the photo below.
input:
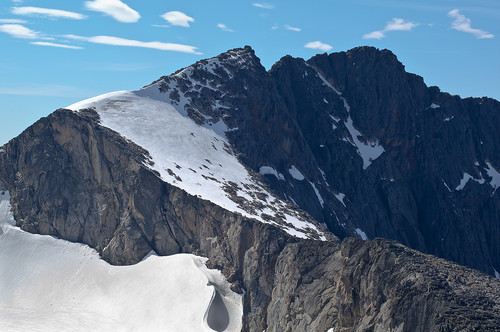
(197, 159)
(55, 285)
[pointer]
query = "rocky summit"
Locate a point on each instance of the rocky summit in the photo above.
(335, 194)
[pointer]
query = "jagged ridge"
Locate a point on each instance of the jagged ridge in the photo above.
(302, 126)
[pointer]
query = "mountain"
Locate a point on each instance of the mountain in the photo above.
(269, 174)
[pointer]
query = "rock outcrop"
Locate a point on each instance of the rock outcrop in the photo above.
(401, 179)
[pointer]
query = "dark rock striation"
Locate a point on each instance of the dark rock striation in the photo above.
(377, 156)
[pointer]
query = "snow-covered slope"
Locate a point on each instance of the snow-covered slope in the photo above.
(194, 157)
(47, 284)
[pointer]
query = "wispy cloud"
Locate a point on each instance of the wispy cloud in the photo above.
(462, 23)
(12, 21)
(224, 27)
(39, 43)
(50, 90)
(53, 13)
(263, 5)
(292, 28)
(114, 8)
(317, 45)
(275, 27)
(397, 24)
(117, 41)
(19, 31)
(177, 18)
(160, 26)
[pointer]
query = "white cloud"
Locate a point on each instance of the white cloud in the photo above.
(177, 18)
(12, 21)
(374, 35)
(317, 45)
(114, 8)
(263, 5)
(275, 27)
(462, 23)
(19, 31)
(224, 27)
(397, 24)
(160, 26)
(56, 45)
(117, 41)
(292, 28)
(54, 13)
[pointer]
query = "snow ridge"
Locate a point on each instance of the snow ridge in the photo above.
(194, 155)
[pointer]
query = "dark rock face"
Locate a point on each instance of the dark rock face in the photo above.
(72, 178)
(382, 154)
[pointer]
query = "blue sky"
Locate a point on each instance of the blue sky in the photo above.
(56, 52)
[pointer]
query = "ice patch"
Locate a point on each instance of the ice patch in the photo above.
(295, 173)
(361, 234)
(56, 285)
(340, 197)
(269, 170)
(434, 106)
(320, 199)
(449, 118)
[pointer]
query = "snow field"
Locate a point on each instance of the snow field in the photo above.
(50, 284)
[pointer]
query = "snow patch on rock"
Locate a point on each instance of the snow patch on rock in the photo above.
(340, 197)
(465, 179)
(494, 175)
(318, 195)
(271, 171)
(361, 234)
(295, 173)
